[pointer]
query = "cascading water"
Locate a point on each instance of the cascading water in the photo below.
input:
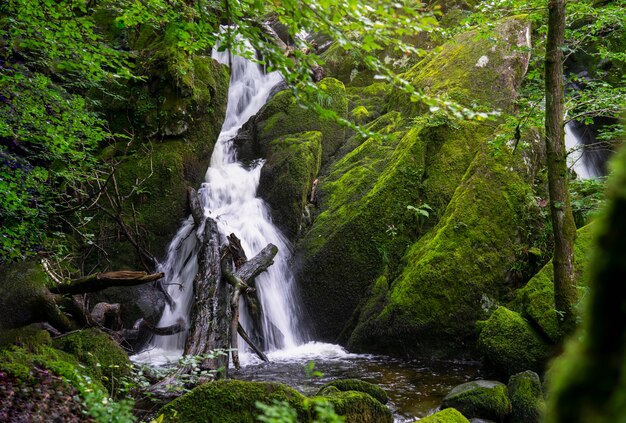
(228, 195)
(575, 154)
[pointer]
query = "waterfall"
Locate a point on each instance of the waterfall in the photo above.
(228, 195)
(585, 164)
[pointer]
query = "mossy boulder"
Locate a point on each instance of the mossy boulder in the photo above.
(282, 115)
(498, 61)
(26, 298)
(448, 415)
(230, 401)
(363, 226)
(358, 407)
(358, 385)
(536, 299)
(101, 355)
(450, 272)
(526, 395)
(480, 398)
(175, 116)
(292, 164)
(510, 345)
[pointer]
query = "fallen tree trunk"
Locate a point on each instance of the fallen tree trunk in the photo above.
(210, 314)
(100, 281)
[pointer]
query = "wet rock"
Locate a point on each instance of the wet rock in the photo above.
(375, 391)
(510, 345)
(526, 395)
(481, 399)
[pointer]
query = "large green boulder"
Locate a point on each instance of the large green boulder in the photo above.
(481, 399)
(526, 395)
(175, 119)
(448, 415)
(536, 299)
(231, 401)
(497, 59)
(453, 272)
(363, 226)
(510, 345)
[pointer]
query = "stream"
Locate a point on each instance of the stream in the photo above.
(228, 195)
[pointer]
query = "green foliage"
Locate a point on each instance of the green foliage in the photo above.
(586, 196)
(595, 36)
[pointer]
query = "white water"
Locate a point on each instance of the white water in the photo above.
(576, 159)
(228, 195)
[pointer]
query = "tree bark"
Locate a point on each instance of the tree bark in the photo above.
(197, 213)
(561, 213)
(100, 281)
(210, 315)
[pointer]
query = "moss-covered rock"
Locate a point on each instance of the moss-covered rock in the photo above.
(510, 345)
(358, 407)
(174, 116)
(498, 61)
(449, 273)
(363, 226)
(375, 391)
(536, 299)
(293, 162)
(526, 395)
(282, 115)
(230, 401)
(480, 398)
(448, 415)
(102, 356)
(26, 298)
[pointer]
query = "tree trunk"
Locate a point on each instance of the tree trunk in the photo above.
(210, 315)
(100, 281)
(560, 208)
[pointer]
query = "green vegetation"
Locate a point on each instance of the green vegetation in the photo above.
(448, 415)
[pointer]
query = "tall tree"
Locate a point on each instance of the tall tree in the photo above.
(560, 208)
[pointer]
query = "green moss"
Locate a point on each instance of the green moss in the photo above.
(29, 337)
(25, 297)
(473, 59)
(526, 395)
(358, 407)
(480, 399)
(346, 66)
(449, 415)
(230, 401)
(435, 300)
(510, 345)
(293, 162)
(104, 359)
(175, 116)
(375, 391)
(283, 116)
(536, 299)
